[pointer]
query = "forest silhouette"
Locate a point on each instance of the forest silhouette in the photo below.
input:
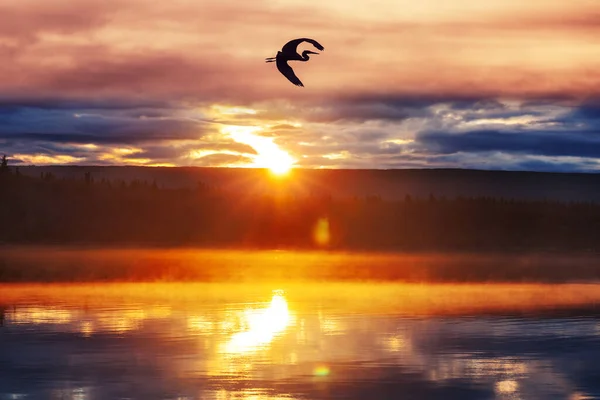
(48, 210)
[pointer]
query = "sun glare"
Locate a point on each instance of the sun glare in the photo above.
(264, 325)
(280, 167)
(269, 155)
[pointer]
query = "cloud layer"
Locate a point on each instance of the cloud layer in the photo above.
(499, 84)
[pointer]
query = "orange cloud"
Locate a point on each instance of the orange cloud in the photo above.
(203, 51)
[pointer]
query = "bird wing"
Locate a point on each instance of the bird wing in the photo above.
(288, 72)
(292, 45)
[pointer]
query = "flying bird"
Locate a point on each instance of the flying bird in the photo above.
(289, 52)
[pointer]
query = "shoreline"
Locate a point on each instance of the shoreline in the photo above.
(496, 299)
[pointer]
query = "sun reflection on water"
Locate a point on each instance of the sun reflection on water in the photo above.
(42, 315)
(249, 350)
(248, 394)
(263, 325)
(104, 320)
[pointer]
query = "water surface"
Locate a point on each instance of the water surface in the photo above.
(302, 341)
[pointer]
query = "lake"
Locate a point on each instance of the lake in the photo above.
(299, 341)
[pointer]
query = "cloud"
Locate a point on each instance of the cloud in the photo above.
(196, 51)
(86, 125)
(417, 84)
(27, 20)
(481, 133)
(432, 130)
(218, 160)
(550, 165)
(587, 112)
(539, 143)
(16, 103)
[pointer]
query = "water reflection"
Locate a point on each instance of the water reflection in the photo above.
(260, 326)
(278, 345)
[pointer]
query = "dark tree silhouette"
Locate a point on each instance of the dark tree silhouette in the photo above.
(4, 165)
(50, 210)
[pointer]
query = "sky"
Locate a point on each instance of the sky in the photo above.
(495, 84)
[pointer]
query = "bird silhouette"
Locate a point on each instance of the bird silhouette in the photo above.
(289, 52)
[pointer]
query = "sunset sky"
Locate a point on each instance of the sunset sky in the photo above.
(494, 84)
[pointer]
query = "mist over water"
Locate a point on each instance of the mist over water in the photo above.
(299, 341)
(139, 264)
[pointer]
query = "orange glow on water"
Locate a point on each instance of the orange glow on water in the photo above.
(239, 334)
(277, 314)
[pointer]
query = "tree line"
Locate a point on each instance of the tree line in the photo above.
(48, 210)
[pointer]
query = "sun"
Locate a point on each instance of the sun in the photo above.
(278, 163)
(280, 169)
(268, 154)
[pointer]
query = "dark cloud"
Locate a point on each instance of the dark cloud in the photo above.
(133, 137)
(555, 166)
(77, 138)
(474, 104)
(418, 100)
(575, 144)
(40, 147)
(368, 111)
(17, 103)
(396, 108)
(370, 107)
(100, 126)
(587, 111)
(377, 107)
